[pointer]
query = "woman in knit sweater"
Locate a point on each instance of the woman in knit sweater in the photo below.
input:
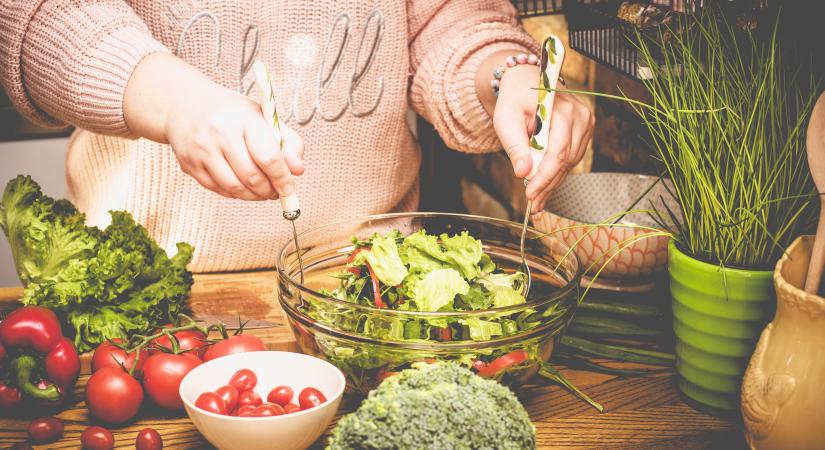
(168, 127)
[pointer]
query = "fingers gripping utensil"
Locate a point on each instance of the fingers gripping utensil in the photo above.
(552, 56)
(289, 204)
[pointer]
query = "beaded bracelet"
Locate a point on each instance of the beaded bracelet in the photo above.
(513, 61)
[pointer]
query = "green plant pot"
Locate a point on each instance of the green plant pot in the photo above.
(718, 315)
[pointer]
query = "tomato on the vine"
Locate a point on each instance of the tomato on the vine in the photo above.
(310, 397)
(243, 380)
(239, 343)
(192, 341)
(108, 354)
(113, 395)
(162, 375)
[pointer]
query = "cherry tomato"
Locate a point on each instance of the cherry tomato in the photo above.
(9, 396)
(212, 402)
(45, 429)
(148, 439)
(310, 397)
(290, 408)
(239, 343)
(245, 411)
(243, 380)
(281, 395)
(112, 395)
(97, 438)
(268, 410)
(162, 374)
(192, 340)
(109, 355)
(229, 395)
(249, 398)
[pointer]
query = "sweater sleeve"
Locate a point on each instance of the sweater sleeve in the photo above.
(67, 62)
(448, 42)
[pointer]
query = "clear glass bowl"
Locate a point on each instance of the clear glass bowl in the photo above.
(369, 343)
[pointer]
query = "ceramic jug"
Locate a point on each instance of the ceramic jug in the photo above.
(783, 392)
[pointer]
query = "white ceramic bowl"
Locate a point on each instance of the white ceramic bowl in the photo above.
(287, 432)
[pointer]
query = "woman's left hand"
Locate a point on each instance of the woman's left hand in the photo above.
(514, 116)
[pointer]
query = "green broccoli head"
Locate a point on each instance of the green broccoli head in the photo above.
(436, 406)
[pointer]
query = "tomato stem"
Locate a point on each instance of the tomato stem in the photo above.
(184, 323)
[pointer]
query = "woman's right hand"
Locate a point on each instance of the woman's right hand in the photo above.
(219, 136)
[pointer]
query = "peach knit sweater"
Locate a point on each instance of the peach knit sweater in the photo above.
(68, 62)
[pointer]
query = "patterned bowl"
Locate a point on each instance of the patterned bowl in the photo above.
(578, 209)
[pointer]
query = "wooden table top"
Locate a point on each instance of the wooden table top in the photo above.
(640, 413)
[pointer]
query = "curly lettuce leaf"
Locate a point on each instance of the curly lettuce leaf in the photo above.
(384, 259)
(438, 289)
(101, 283)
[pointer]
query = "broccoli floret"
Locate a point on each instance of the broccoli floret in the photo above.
(436, 406)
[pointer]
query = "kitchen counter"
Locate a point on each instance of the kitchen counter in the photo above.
(640, 413)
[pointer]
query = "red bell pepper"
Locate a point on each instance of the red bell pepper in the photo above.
(379, 303)
(495, 366)
(36, 359)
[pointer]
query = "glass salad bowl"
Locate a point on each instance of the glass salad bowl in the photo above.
(369, 343)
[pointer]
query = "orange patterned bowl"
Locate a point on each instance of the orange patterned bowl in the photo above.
(579, 209)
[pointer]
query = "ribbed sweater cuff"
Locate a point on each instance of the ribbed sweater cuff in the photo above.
(106, 75)
(444, 86)
(76, 59)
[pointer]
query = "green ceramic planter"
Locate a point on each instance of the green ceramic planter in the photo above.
(718, 315)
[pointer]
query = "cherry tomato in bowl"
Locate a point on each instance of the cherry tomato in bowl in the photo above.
(229, 395)
(243, 380)
(281, 395)
(310, 398)
(212, 402)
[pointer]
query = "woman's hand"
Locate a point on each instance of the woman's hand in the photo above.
(219, 136)
(571, 128)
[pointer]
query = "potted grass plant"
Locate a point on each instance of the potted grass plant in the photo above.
(726, 122)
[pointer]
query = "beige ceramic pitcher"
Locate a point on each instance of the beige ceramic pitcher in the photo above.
(783, 392)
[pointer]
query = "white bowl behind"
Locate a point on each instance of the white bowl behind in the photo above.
(292, 431)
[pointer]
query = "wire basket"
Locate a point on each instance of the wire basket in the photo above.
(597, 31)
(532, 8)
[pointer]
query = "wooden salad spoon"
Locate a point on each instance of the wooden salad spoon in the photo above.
(816, 162)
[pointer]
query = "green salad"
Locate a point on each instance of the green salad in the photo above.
(422, 274)
(428, 273)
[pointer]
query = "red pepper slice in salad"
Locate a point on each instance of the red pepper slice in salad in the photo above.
(495, 366)
(379, 303)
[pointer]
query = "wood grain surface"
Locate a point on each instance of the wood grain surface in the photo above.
(640, 413)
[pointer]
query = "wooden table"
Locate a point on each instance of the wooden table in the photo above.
(640, 413)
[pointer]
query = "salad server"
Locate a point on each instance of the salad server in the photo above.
(289, 204)
(552, 56)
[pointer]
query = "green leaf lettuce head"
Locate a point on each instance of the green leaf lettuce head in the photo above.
(103, 284)
(436, 406)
